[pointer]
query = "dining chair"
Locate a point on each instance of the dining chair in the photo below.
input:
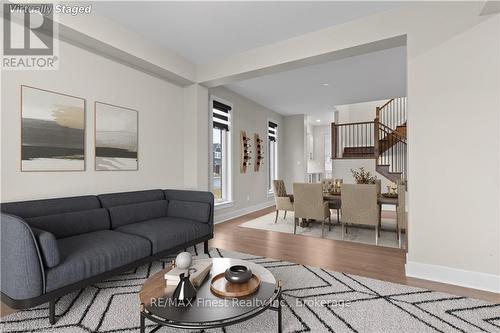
(309, 204)
(327, 184)
(359, 206)
(282, 200)
(401, 214)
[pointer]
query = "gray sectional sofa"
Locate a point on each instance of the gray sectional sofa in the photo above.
(55, 246)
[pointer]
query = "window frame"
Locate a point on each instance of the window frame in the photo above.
(227, 155)
(269, 189)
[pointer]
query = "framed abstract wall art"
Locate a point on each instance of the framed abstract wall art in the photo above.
(116, 138)
(52, 131)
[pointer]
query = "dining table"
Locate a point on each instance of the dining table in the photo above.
(336, 203)
(382, 200)
(335, 200)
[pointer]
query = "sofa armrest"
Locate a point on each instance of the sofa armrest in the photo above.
(22, 272)
(195, 205)
(49, 250)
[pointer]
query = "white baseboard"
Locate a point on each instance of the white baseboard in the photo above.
(223, 216)
(455, 276)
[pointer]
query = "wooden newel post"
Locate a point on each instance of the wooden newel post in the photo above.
(334, 141)
(375, 136)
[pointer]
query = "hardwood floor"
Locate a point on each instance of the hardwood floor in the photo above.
(376, 262)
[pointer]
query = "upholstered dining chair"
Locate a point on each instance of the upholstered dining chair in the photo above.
(327, 184)
(309, 204)
(359, 206)
(401, 214)
(281, 198)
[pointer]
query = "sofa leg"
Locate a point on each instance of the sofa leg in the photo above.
(52, 312)
(205, 247)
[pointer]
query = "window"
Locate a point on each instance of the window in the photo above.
(272, 141)
(221, 151)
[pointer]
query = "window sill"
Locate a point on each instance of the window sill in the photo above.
(223, 204)
(270, 194)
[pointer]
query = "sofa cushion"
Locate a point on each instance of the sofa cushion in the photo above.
(26, 209)
(128, 198)
(90, 254)
(71, 224)
(197, 211)
(168, 232)
(127, 214)
(49, 250)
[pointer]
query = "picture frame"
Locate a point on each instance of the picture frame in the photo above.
(53, 131)
(116, 137)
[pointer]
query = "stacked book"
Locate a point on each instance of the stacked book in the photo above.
(198, 271)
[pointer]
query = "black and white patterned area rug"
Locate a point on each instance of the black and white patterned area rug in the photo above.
(316, 300)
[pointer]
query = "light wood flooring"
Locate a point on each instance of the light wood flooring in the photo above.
(376, 262)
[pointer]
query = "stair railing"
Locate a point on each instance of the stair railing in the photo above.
(353, 135)
(391, 149)
(393, 113)
(380, 139)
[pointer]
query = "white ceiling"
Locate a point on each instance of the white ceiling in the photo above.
(369, 77)
(321, 119)
(204, 31)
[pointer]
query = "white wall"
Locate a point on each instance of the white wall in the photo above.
(95, 78)
(453, 103)
(294, 146)
(358, 112)
(453, 88)
(195, 136)
(342, 169)
(249, 189)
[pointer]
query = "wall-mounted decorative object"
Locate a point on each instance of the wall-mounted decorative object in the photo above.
(259, 152)
(245, 151)
(116, 138)
(52, 131)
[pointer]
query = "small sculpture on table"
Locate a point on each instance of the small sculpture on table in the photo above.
(185, 292)
(184, 261)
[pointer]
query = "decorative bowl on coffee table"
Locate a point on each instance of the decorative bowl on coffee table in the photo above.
(209, 310)
(238, 274)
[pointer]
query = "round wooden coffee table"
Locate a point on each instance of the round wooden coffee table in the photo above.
(208, 310)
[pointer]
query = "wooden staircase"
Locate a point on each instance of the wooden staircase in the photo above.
(383, 139)
(393, 138)
(359, 152)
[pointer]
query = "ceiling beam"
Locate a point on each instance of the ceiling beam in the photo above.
(109, 39)
(490, 7)
(313, 60)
